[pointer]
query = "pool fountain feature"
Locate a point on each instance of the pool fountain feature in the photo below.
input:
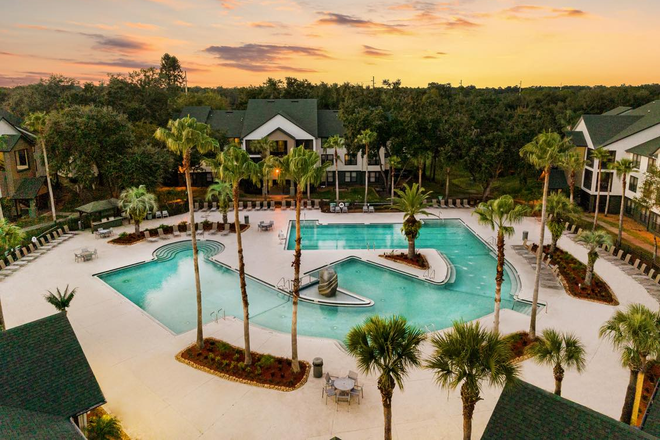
(328, 282)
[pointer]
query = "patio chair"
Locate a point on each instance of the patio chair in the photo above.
(371, 209)
(199, 229)
(162, 235)
(272, 205)
(67, 231)
(450, 203)
(365, 209)
(257, 206)
(188, 230)
(260, 226)
(249, 206)
(214, 208)
(206, 207)
(458, 203)
(149, 237)
(317, 203)
(434, 203)
(465, 203)
(175, 231)
(285, 205)
(240, 206)
(226, 231)
(214, 228)
(353, 375)
(443, 204)
(231, 206)
(159, 214)
(7, 268)
(196, 206)
(346, 397)
(356, 391)
(344, 210)
(329, 391)
(166, 214)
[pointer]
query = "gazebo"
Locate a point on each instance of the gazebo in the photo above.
(99, 210)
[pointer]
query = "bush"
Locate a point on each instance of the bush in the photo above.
(105, 427)
(266, 361)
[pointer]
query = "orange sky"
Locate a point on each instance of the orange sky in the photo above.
(241, 42)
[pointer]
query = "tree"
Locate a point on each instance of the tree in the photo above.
(622, 167)
(395, 162)
(171, 72)
(366, 138)
(601, 155)
(182, 137)
(412, 201)
(268, 162)
(208, 98)
(302, 167)
(37, 123)
(500, 214)
(593, 240)
(559, 350)
(137, 202)
(559, 209)
(335, 142)
(10, 237)
(223, 192)
(572, 162)
(545, 151)
(468, 355)
(106, 427)
(234, 165)
(388, 347)
(649, 198)
(635, 332)
(61, 300)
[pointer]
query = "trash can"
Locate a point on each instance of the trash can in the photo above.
(247, 219)
(318, 367)
(525, 235)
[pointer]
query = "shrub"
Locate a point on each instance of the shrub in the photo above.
(105, 427)
(266, 361)
(237, 356)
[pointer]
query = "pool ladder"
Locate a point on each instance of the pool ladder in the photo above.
(285, 284)
(217, 315)
(430, 328)
(429, 274)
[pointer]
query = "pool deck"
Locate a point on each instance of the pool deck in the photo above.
(157, 397)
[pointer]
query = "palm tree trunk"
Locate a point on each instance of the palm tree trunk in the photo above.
(241, 276)
(420, 169)
(595, 225)
(295, 367)
(607, 197)
(137, 226)
(265, 188)
(225, 220)
(638, 396)
(336, 176)
(50, 187)
(470, 400)
(386, 398)
(539, 255)
(558, 372)
(572, 185)
(366, 173)
(411, 248)
(592, 256)
(198, 286)
(499, 278)
(447, 175)
(623, 198)
(392, 183)
(629, 400)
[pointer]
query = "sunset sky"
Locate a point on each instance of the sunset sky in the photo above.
(241, 42)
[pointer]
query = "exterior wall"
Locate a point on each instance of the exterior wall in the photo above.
(12, 176)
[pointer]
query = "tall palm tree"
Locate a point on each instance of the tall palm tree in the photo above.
(335, 142)
(635, 332)
(264, 146)
(137, 202)
(572, 162)
(500, 214)
(36, 122)
(593, 240)
(559, 350)
(411, 200)
(2, 168)
(61, 300)
(601, 155)
(182, 136)
(303, 168)
(395, 162)
(366, 138)
(233, 166)
(10, 237)
(388, 347)
(545, 151)
(468, 355)
(622, 168)
(222, 191)
(559, 209)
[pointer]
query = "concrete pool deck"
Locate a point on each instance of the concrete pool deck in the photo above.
(158, 398)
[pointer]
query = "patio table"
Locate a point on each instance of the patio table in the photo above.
(84, 255)
(344, 384)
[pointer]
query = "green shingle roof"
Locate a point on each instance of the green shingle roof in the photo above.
(651, 422)
(10, 141)
(525, 412)
(577, 137)
(330, 124)
(201, 113)
(558, 179)
(28, 188)
(649, 115)
(44, 370)
(602, 128)
(98, 206)
(14, 120)
(648, 148)
(231, 122)
(302, 112)
(617, 110)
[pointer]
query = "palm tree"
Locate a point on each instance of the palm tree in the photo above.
(623, 168)
(302, 167)
(572, 162)
(335, 142)
(411, 200)
(558, 350)
(105, 427)
(10, 237)
(395, 162)
(500, 214)
(223, 192)
(2, 168)
(545, 151)
(36, 122)
(137, 202)
(635, 332)
(366, 138)
(388, 347)
(468, 355)
(600, 154)
(61, 300)
(233, 166)
(264, 146)
(559, 209)
(593, 240)
(182, 136)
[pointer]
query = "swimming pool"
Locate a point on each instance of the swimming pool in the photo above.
(165, 289)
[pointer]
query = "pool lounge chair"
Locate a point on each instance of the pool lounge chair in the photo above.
(257, 206)
(344, 210)
(188, 230)
(443, 204)
(317, 203)
(199, 229)
(365, 209)
(465, 203)
(226, 231)
(149, 237)
(68, 231)
(293, 205)
(249, 206)
(371, 209)
(159, 214)
(284, 205)
(240, 206)
(162, 235)
(458, 203)
(272, 205)
(196, 206)
(28, 255)
(450, 203)
(214, 208)
(434, 203)
(166, 214)
(45, 245)
(214, 228)
(7, 268)
(175, 231)
(206, 207)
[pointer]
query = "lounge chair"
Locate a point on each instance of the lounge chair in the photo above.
(214, 228)
(196, 206)
(166, 214)
(206, 207)
(52, 238)
(199, 229)
(162, 235)
(458, 203)
(149, 237)
(450, 203)
(466, 203)
(365, 209)
(657, 279)
(226, 231)
(240, 206)
(443, 204)
(344, 210)
(189, 230)
(28, 255)
(293, 205)
(249, 206)
(159, 214)
(272, 205)
(67, 231)
(45, 245)
(434, 203)
(175, 231)
(371, 209)
(11, 269)
(308, 204)
(18, 262)
(284, 205)
(257, 206)
(37, 249)
(214, 208)
(317, 203)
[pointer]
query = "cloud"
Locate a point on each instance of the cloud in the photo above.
(458, 22)
(371, 51)
(535, 12)
(11, 81)
(230, 4)
(264, 57)
(261, 24)
(147, 26)
(105, 27)
(183, 23)
(434, 56)
(331, 18)
(117, 62)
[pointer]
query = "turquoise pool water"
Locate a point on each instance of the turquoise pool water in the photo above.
(164, 287)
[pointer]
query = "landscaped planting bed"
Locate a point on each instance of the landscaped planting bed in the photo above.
(227, 361)
(650, 381)
(131, 238)
(518, 342)
(419, 262)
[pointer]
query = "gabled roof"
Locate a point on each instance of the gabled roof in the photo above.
(651, 422)
(648, 148)
(617, 110)
(602, 128)
(302, 112)
(649, 115)
(28, 188)
(98, 206)
(526, 412)
(201, 112)
(577, 137)
(558, 179)
(10, 141)
(44, 376)
(229, 121)
(330, 124)
(13, 120)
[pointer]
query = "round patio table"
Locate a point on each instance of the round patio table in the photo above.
(344, 384)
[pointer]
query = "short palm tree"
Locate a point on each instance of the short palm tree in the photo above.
(302, 167)
(137, 202)
(600, 154)
(366, 138)
(500, 214)
(559, 209)
(411, 200)
(572, 162)
(182, 136)
(233, 166)
(635, 332)
(222, 191)
(264, 146)
(335, 142)
(388, 347)
(466, 356)
(560, 351)
(545, 151)
(36, 122)
(593, 240)
(622, 168)
(61, 300)
(10, 237)
(105, 427)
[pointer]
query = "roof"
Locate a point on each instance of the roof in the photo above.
(602, 128)
(649, 115)
(648, 148)
(526, 412)
(231, 122)
(617, 111)
(12, 119)
(329, 123)
(558, 179)
(98, 206)
(44, 378)
(651, 422)
(201, 113)
(577, 137)
(28, 188)
(10, 141)
(302, 112)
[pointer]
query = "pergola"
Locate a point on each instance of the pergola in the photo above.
(99, 208)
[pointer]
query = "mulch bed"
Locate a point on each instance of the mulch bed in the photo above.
(650, 381)
(132, 238)
(419, 262)
(573, 271)
(519, 342)
(225, 360)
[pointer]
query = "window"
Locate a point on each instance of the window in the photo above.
(651, 164)
(308, 143)
(373, 161)
(350, 159)
(605, 182)
(637, 159)
(351, 177)
(632, 184)
(328, 158)
(330, 176)
(373, 176)
(22, 160)
(280, 148)
(588, 177)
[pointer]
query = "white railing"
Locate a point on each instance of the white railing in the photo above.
(217, 315)
(429, 273)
